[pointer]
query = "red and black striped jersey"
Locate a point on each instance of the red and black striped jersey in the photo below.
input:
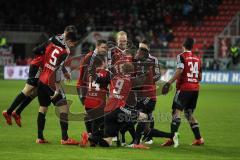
(120, 87)
(97, 90)
(116, 58)
(151, 69)
(190, 77)
(55, 54)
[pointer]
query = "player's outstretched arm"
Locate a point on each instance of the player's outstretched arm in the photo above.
(176, 75)
(167, 85)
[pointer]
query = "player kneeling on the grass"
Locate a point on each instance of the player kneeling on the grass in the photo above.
(49, 89)
(116, 115)
(95, 100)
(85, 83)
(188, 76)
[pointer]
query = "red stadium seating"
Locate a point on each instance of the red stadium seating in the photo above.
(210, 26)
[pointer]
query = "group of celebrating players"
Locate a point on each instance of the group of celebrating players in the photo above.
(116, 87)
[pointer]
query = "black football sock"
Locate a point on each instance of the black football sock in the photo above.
(19, 99)
(23, 105)
(196, 131)
(41, 124)
(175, 124)
(118, 140)
(64, 125)
(139, 132)
(123, 131)
(131, 130)
(158, 133)
(88, 124)
(151, 126)
(94, 140)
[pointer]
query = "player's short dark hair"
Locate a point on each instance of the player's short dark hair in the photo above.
(101, 41)
(70, 28)
(146, 42)
(127, 68)
(72, 36)
(188, 43)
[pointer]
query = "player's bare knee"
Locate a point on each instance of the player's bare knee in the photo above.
(33, 93)
(43, 109)
(189, 116)
(63, 109)
(192, 120)
(176, 113)
(27, 90)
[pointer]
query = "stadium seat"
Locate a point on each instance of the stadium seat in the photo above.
(210, 26)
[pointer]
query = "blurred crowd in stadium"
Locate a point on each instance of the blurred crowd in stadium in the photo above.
(141, 19)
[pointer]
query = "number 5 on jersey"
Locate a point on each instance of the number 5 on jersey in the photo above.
(53, 59)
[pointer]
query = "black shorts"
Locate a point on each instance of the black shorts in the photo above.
(185, 100)
(115, 120)
(33, 81)
(146, 105)
(33, 71)
(45, 93)
(94, 113)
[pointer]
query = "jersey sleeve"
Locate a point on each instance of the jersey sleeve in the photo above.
(110, 60)
(40, 49)
(91, 68)
(200, 70)
(64, 69)
(82, 72)
(60, 67)
(180, 62)
(156, 70)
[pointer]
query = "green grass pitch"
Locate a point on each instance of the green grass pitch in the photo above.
(218, 113)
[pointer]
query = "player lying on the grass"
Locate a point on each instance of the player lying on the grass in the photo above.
(84, 79)
(49, 89)
(116, 115)
(29, 92)
(188, 75)
(148, 66)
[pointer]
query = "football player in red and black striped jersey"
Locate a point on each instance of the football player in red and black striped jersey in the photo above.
(116, 113)
(29, 91)
(49, 90)
(86, 71)
(188, 75)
